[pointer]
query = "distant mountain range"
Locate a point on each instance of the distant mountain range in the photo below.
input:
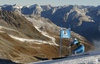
(84, 20)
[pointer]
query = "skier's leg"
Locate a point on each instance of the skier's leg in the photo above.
(80, 49)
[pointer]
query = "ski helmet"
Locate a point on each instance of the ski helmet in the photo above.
(75, 38)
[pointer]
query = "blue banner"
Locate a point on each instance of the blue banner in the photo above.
(65, 33)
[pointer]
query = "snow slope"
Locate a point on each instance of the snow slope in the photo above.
(92, 58)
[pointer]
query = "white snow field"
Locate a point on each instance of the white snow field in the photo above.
(92, 58)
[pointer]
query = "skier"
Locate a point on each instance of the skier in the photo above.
(80, 47)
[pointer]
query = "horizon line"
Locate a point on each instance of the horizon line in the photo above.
(51, 5)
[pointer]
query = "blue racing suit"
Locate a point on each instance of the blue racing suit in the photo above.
(79, 49)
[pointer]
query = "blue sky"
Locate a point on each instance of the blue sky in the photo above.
(52, 2)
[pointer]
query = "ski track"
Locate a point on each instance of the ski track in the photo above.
(93, 58)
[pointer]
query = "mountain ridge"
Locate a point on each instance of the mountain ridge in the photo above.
(79, 16)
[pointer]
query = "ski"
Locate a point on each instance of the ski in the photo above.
(59, 58)
(81, 54)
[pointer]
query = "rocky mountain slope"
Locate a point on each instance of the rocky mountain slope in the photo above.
(23, 38)
(84, 20)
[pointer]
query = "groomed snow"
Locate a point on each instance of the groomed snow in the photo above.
(92, 58)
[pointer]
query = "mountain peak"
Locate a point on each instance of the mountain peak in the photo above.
(32, 6)
(15, 5)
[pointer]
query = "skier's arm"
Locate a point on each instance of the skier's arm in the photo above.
(76, 42)
(72, 44)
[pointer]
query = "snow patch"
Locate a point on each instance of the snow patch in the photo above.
(17, 6)
(30, 40)
(7, 28)
(45, 34)
(2, 31)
